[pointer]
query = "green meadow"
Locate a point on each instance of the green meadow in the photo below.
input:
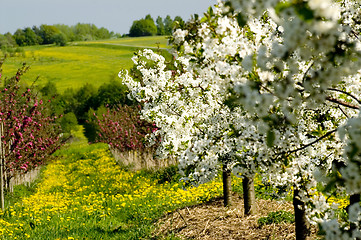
(151, 42)
(79, 63)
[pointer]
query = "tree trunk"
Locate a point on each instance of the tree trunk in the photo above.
(249, 196)
(227, 186)
(301, 224)
(354, 198)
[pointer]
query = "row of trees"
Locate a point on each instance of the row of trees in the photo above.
(30, 131)
(266, 87)
(147, 27)
(59, 34)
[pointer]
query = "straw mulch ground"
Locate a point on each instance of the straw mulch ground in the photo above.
(212, 221)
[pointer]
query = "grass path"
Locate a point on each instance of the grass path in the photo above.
(140, 42)
(132, 46)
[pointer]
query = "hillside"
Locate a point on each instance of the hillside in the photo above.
(72, 66)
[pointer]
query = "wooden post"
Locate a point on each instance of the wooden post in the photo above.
(2, 167)
(7, 174)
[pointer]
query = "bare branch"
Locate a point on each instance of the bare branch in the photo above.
(344, 113)
(344, 92)
(172, 111)
(355, 34)
(343, 103)
(308, 69)
(311, 143)
(267, 89)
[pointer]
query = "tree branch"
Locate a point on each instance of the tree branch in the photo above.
(311, 143)
(305, 74)
(344, 113)
(344, 92)
(355, 34)
(343, 103)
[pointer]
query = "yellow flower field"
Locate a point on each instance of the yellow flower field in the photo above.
(84, 195)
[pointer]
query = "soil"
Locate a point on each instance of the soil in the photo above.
(213, 221)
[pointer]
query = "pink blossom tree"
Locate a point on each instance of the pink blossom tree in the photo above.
(30, 133)
(122, 128)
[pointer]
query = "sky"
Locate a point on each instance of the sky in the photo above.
(115, 15)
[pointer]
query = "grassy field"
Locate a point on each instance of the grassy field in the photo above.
(157, 41)
(72, 66)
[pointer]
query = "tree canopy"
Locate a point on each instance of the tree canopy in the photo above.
(147, 26)
(58, 34)
(143, 27)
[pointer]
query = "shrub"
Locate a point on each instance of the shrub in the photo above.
(167, 174)
(59, 39)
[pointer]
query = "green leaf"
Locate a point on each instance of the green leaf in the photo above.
(32, 225)
(210, 11)
(270, 138)
(330, 185)
(241, 20)
(204, 19)
(301, 7)
(354, 151)
(282, 6)
(305, 12)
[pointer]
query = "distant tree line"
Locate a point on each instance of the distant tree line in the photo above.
(148, 27)
(58, 34)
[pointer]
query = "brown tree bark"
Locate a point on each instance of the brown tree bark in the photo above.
(354, 198)
(302, 226)
(249, 196)
(227, 186)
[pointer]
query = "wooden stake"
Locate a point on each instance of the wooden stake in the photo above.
(2, 163)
